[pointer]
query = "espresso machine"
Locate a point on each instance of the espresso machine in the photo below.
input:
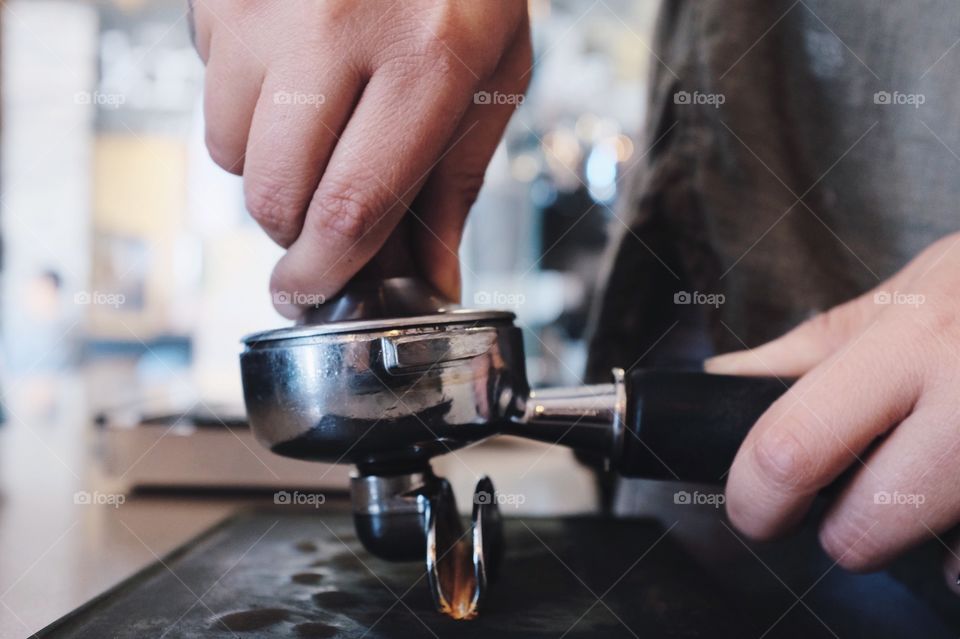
(389, 374)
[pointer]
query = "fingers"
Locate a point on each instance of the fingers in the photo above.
(798, 351)
(333, 202)
(294, 131)
(804, 347)
(815, 431)
(441, 209)
(406, 113)
(231, 88)
(902, 496)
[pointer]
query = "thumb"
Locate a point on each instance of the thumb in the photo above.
(804, 347)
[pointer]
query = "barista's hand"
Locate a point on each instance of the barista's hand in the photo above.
(885, 365)
(340, 115)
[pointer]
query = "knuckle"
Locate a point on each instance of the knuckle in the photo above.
(344, 214)
(847, 540)
(445, 42)
(438, 56)
(447, 31)
(273, 209)
(784, 460)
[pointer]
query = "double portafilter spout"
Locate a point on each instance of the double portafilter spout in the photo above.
(387, 376)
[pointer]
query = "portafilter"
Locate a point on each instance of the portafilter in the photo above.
(389, 375)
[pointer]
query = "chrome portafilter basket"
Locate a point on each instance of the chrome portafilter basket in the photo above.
(385, 377)
(388, 376)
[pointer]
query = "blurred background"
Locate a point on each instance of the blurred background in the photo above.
(130, 271)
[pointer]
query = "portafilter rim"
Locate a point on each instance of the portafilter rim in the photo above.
(453, 316)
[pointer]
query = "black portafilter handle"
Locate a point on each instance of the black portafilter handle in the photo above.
(688, 425)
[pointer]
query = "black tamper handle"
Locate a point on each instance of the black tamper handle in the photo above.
(688, 425)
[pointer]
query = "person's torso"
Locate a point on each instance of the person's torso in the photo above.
(798, 154)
